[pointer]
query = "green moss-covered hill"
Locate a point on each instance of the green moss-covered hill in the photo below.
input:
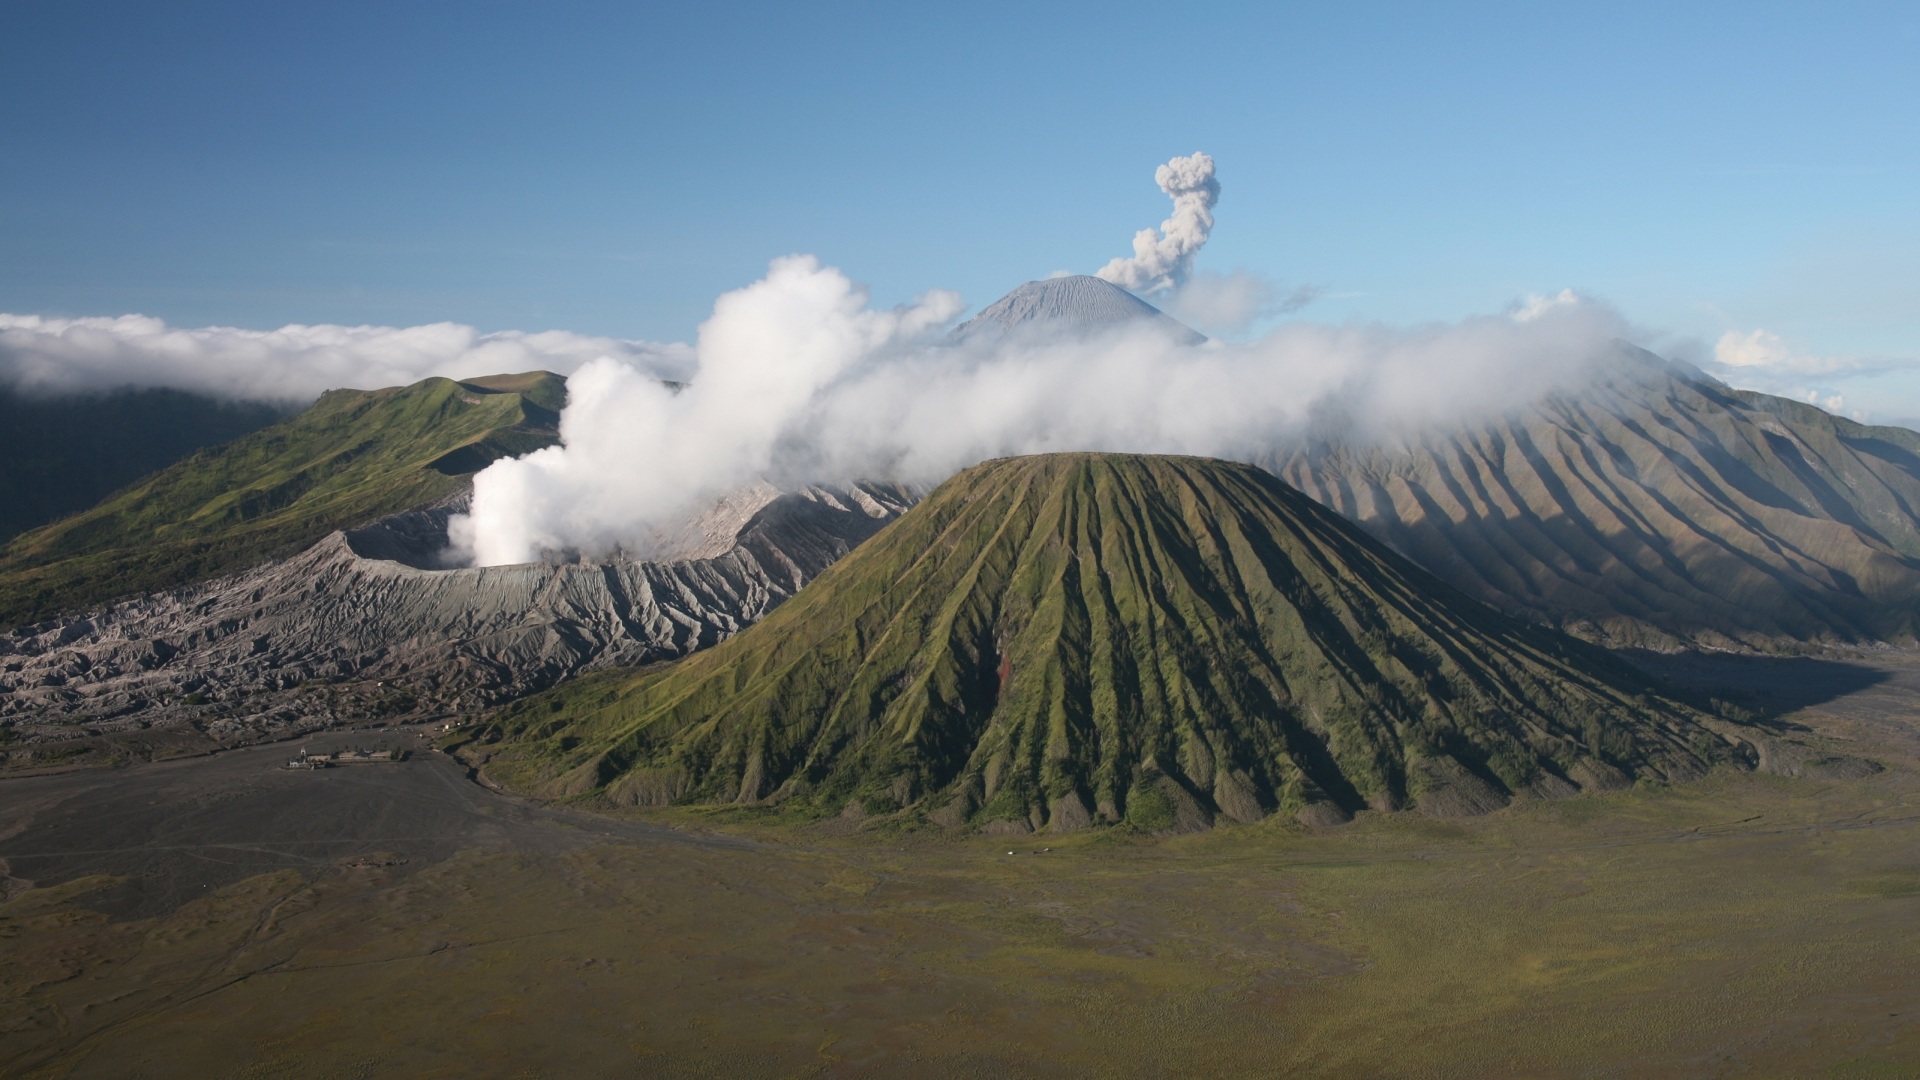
(1065, 640)
(354, 456)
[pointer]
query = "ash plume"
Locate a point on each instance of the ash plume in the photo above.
(1163, 259)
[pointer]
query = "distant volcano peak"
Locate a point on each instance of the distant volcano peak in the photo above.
(1079, 302)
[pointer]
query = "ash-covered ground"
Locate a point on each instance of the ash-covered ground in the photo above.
(222, 915)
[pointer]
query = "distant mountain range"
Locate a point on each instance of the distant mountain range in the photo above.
(1653, 506)
(61, 454)
(286, 577)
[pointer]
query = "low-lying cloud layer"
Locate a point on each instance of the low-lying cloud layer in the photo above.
(292, 364)
(797, 378)
(1226, 304)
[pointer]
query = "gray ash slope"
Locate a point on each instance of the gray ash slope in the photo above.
(360, 626)
(1079, 303)
(1655, 506)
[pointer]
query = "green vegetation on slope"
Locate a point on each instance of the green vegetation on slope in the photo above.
(352, 457)
(1070, 639)
(62, 454)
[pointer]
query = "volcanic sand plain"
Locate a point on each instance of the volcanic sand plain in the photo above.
(224, 917)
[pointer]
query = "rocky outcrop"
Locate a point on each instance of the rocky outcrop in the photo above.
(364, 625)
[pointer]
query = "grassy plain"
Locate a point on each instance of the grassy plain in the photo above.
(1743, 925)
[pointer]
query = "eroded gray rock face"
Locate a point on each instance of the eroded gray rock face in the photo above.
(1655, 506)
(362, 625)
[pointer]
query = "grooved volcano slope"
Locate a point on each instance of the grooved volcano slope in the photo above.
(1656, 504)
(1059, 640)
(1078, 302)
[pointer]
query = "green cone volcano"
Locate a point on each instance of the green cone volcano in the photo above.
(1058, 641)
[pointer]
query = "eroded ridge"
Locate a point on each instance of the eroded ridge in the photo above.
(1056, 641)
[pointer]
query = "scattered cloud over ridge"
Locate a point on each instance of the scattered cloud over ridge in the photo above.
(1227, 304)
(1536, 307)
(1162, 260)
(797, 379)
(294, 363)
(1767, 351)
(1765, 361)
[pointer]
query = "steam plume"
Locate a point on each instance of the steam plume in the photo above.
(1162, 260)
(634, 452)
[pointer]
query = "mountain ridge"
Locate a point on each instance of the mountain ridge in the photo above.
(353, 457)
(1655, 506)
(365, 627)
(62, 453)
(1071, 639)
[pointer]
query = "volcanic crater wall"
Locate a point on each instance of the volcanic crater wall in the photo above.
(361, 625)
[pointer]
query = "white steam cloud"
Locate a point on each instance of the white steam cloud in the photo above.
(797, 379)
(635, 452)
(1163, 260)
(294, 363)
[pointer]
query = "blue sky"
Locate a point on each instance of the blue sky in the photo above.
(610, 168)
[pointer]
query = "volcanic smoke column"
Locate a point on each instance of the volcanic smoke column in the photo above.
(1162, 260)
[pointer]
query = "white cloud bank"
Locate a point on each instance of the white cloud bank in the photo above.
(798, 378)
(294, 363)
